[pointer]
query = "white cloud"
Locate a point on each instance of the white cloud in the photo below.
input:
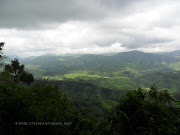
(105, 27)
(71, 37)
(94, 49)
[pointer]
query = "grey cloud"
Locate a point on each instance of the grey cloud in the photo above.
(34, 13)
(37, 13)
(139, 43)
(31, 13)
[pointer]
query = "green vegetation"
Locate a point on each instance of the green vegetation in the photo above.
(56, 78)
(121, 71)
(41, 103)
(134, 113)
(91, 95)
(175, 66)
(139, 113)
(16, 71)
(95, 99)
(74, 75)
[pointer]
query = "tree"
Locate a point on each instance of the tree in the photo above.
(17, 72)
(2, 56)
(22, 108)
(139, 114)
(1, 46)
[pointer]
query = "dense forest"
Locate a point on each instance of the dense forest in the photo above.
(131, 93)
(126, 70)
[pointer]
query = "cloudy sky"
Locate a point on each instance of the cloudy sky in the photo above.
(37, 27)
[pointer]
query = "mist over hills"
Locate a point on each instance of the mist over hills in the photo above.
(14, 56)
(134, 52)
(174, 53)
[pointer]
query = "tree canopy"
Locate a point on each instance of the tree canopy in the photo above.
(16, 70)
(2, 56)
(140, 113)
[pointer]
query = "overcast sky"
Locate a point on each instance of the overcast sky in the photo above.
(37, 27)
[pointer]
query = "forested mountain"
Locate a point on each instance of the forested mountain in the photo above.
(103, 63)
(95, 99)
(97, 81)
(174, 53)
(125, 70)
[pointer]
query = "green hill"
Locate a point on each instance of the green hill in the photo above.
(119, 71)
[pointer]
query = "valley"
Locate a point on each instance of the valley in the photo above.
(96, 82)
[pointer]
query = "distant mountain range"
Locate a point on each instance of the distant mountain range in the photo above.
(102, 63)
(14, 56)
(174, 53)
(119, 71)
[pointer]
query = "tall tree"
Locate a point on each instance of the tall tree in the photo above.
(2, 56)
(18, 73)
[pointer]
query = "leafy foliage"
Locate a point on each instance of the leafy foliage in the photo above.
(135, 114)
(2, 56)
(88, 96)
(17, 72)
(41, 103)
